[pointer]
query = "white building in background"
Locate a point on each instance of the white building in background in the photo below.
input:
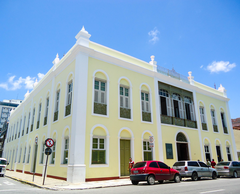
(5, 107)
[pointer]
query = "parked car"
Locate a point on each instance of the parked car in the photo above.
(152, 171)
(3, 164)
(228, 169)
(195, 170)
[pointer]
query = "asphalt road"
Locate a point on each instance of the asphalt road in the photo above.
(205, 186)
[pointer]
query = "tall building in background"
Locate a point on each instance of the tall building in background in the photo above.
(101, 107)
(6, 106)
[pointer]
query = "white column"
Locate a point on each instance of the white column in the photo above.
(76, 164)
(232, 134)
(198, 124)
(158, 119)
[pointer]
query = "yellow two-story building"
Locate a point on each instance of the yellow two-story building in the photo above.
(102, 106)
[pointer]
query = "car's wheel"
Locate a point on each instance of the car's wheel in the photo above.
(194, 176)
(235, 175)
(161, 181)
(214, 175)
(134, 182)
(151, 180)
(177, 178)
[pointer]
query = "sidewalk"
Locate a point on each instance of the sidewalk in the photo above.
(55, 184)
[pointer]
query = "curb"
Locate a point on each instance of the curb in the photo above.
(29, 183)
(57, 189)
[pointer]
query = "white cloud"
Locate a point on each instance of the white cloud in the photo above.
(153, 35)
(218, 66)
(201, 66)
(13, 84)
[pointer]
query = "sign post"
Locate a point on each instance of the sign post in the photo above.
(151, 141)
(35, 157)
(49, 143)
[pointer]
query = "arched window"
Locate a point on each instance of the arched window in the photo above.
(223, 118)
(24, 121)
(181, 137)
(33, 116)
(100, 93)
(29, 153)
(39, 114)
(207, 150)
(147, 150)
(125, 98)
(42, 150)
(65, 148)
(145, 103)
(46, 110)
(20, 153)
(57, 101)
(214, 121)
(69, 95)
(228, 150)
(53, 155)
(202, 116)
(182, 147)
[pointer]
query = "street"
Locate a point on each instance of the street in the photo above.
(221, 185)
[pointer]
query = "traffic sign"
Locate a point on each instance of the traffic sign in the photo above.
(151, 145)
(48, 151)
(151, 139)
(49, 142)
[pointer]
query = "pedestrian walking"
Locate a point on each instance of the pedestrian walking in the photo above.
(213, 163)
(130, 165)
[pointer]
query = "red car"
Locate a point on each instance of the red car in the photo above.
(152, 171)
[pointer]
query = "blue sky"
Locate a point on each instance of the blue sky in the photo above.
(199, 36)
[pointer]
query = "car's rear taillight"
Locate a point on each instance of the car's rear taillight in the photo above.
(226, 167)
(143, 170)
(186, 169)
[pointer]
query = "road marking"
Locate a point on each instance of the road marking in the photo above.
(213, 191)
(8, 183)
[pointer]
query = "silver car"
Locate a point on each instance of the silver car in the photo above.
(228, 169)
(195, 170)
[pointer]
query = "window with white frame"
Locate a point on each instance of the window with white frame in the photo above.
(53, 153)
(42, 153)
(207, 152)
(224, 123)
(24, 121)
(165, 103)
(20, 128)
(33, 116)
(147, 151)
(65, 151)
(24, 155)
(13, 131)
(46, 112)
(29, 152)
(20, 152)
(16, 155)
(98, 150)
(202, 116)
(28, 121)
(100, 92)
(69, 98)
(124, 97)
(56, 106)
(16, 131)
(145, 102)
(189, 108)
(213, 117)
(177, 106)
(39, 114)
(228, 153)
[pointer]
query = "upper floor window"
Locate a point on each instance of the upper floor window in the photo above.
(20, 128)
(46, 112)
(33, 116)
(165, 103)
(124, 97)
(145, 102)
(214, 122)
(202, 117)
(56, 106)
(16, 131)
(177, 106)
(100, 97)
(24, 121)
(224, 122)
(69, 98)
(189, 109)
(29, 115)
(39, 114)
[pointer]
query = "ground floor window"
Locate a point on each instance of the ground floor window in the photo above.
(147, 151)
(29, 152)
(42, 153)
(53, 153)
(98, 151)
(65, 152)
(229, 153)
(24, 155)
(207, 153)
